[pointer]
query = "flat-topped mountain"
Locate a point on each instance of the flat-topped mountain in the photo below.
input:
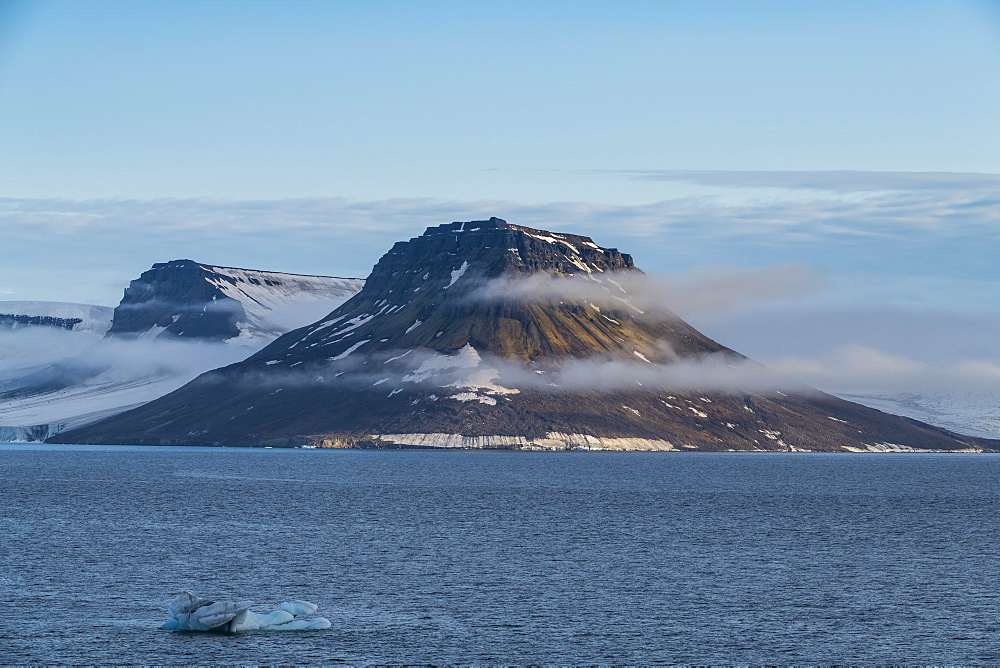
(187, 299)
(488, 334)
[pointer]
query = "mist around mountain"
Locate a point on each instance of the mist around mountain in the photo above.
(488, 334)
(64, 365)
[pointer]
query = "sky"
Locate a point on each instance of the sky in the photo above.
(859, 140)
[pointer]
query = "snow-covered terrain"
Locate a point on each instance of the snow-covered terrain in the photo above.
(124, 374)
(276, 303)
(970, 413)
(90, 319)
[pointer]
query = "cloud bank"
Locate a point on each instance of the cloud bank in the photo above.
(705, 291)
(857, 368)
(838, 181)
(468, 369)
(51, 351)
(86, 251)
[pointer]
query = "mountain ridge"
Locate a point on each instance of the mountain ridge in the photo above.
(419, 357)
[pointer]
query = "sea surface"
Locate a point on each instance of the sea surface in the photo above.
(500, 557)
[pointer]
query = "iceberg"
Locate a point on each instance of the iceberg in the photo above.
(191, 613)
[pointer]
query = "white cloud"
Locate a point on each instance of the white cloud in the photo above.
(839, 181)
(719, 373)
(37, 347)
(855, 368)
(958, 211)
(932, 245)
(705, 291)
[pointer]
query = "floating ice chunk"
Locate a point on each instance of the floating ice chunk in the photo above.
(275, 618)
(191, 613)
(216, 614)
(299, 608)
(185, 602)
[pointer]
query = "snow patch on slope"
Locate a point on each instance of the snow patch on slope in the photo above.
(275, 303)
(463, 370)
(457, 274)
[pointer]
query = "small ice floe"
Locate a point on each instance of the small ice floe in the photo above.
(191, 613)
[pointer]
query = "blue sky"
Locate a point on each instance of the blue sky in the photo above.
(500, 100)
(858, 139)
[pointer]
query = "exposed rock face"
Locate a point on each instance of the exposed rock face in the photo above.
(432, 353)
(177, 298)
(190, 300)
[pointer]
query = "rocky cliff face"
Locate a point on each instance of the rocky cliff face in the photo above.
(190, 300)
(444, 347)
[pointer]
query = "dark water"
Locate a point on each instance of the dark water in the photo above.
(485, 557)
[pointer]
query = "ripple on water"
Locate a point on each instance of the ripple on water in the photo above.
(491, 557)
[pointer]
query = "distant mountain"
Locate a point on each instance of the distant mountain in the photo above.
(445, 347)
(175, 321)
(95, 320)
(187, 299)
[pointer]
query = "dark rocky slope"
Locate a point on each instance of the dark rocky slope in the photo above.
(422, 356)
